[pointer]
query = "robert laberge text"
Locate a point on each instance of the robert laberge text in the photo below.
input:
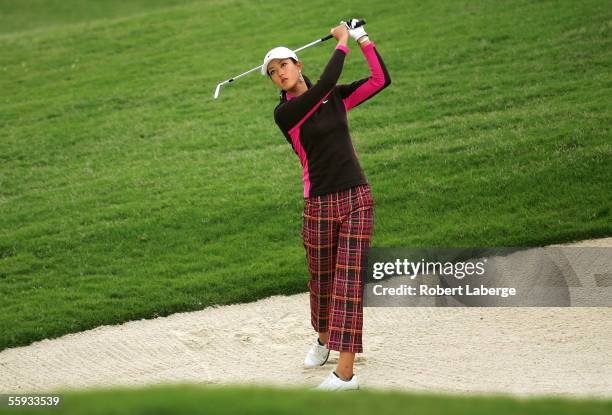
(425, 290)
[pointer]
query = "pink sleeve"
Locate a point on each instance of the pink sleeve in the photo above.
(343, 48)
(375, 83)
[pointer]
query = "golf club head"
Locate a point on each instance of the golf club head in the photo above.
(217, 90)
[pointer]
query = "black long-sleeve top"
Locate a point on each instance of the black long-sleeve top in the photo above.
(316, 124)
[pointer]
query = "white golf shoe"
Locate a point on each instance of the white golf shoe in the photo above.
(317, 355)
(334, 383)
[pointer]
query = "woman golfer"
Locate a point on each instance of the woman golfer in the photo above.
(338, 207)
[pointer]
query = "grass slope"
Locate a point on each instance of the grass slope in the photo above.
(126, 192)
(37, 15)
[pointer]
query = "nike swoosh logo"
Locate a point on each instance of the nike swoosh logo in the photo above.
(325, 101)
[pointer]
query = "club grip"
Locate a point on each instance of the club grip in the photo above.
(361, 22)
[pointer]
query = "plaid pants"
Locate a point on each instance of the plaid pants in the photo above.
(337, 230)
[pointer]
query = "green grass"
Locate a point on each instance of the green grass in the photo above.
(295, 401)
(38, 15)
(127, 192)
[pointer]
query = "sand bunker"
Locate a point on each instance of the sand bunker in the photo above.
(512, 350)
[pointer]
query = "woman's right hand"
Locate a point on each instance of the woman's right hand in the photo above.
(340, 32)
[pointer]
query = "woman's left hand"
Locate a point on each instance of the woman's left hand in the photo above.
(354, 32)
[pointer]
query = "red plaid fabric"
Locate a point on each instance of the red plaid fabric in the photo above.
(337, 230)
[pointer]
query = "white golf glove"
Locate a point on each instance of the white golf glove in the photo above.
(355, 33)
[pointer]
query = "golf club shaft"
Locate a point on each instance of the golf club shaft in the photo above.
(323, 39)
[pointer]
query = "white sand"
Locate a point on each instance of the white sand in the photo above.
(512, 350)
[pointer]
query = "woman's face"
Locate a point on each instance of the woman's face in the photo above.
(284, 72)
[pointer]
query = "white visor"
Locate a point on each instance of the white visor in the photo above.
(280, 52)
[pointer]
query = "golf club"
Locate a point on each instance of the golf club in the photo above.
(323, 39)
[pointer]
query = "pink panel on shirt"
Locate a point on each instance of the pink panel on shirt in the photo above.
(295, 140)
(294, 133)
